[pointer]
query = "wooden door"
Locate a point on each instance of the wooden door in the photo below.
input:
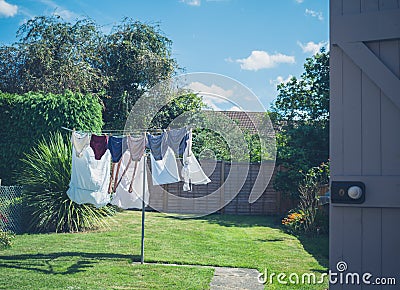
(365, 137)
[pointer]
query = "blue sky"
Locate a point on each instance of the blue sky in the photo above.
(256, 42)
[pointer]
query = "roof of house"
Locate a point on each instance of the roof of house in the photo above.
(249, 121)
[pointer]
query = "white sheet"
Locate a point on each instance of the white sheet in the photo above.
(90, 178)
(164, 171)
(122, 197)
(191, 170)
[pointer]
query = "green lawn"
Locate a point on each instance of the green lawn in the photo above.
(103, 259)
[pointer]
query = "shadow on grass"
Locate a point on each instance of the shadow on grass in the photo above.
(54, 263)
(318, 247)
(228, 220)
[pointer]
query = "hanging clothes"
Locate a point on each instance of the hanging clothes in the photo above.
(136, 147)
(164, 171)
(117, 146)
(98, 145)
(129, 192)
(154, 143)
(176, 139)
(191, 170)
(80, 141)
(90, 178)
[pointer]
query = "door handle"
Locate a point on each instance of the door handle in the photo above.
(350, 192)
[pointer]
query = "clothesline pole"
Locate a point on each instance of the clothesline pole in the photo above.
(143, 207)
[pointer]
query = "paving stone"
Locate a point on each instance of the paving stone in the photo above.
(235, 279)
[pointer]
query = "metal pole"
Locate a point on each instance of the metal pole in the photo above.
(143, 207)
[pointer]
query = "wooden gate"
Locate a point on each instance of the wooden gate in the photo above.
(365, 139)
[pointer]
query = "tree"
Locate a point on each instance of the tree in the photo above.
(301, 114)
(135, 57)
(52, 56)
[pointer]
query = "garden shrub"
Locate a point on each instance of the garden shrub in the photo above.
(27, 118)
(45, 175)
(309, 217)
(5, 239)
(5, 236)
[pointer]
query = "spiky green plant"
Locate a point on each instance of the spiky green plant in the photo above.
(45, 176)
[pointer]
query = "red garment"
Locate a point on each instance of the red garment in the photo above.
(99, 145)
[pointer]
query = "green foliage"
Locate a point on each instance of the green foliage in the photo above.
(136, 57)
(46, 175)
(26, 118)
(179, 112)
(52, 55)
(306, 100)
(294, 221)
(206, 141)
(301, 114)
(309, 217)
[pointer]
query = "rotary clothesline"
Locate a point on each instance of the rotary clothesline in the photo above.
(91, 181)
(122, 131)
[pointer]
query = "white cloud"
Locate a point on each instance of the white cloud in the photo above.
(279, 80)
(7, 9)
(259, 59)
(59, 10)
(312, 47)
(317, 14)
(65, 14)
(299, 1)
(199, 87)
(211, 103)
(215, 97)
(235, 108)
(192, 2)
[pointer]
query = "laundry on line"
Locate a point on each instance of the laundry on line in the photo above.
(108, 168)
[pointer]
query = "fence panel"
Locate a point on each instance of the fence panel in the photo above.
(11, 208)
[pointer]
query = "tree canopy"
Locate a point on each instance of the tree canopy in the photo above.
(301, 114)
(52, 56)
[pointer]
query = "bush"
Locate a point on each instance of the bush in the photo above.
(293, 222)
(309, 217)
(5, 236)
(29, 117)
(5, 239)
(45, 175)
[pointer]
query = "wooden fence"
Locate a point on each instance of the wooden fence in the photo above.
(218, 193)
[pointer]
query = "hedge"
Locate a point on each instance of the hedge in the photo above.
(26, 118)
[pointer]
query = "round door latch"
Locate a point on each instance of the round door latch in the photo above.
(355, 192)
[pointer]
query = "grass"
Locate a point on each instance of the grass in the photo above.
(103, 259)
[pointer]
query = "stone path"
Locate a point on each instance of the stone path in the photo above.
(235, 278)
(229, 278)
